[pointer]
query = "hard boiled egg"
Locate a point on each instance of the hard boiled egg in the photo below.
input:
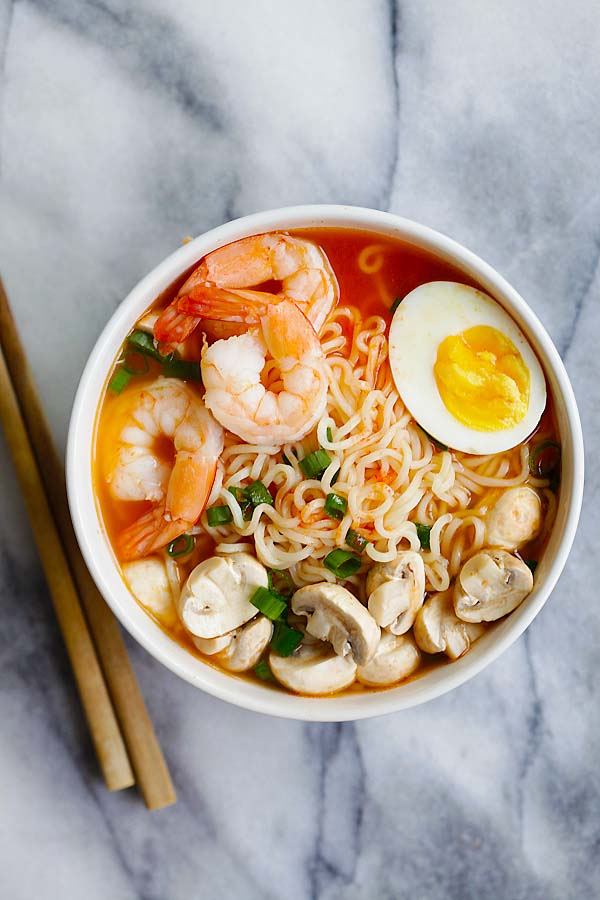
(464, 370)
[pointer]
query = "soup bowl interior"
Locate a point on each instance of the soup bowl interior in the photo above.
(100, 557)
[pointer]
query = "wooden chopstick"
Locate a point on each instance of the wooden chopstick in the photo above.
(100, 715)
(148, 762)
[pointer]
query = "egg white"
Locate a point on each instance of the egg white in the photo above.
(421, 322)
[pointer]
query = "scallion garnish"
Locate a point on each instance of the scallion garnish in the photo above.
(269, 603)
(335, 477)
(423, 533)
(257, 493)
(244, 503)
(144, 343)
(263, 670)
(336, 506)
(119, 380)
(218, 515)
(356, 540)
(544, 459)
(285, 459)
(315, 463)
(172, 365)
(342, 563)
(329, 435)
(181, 546)
(280, 582)
(285, 639)
(186, 369)
(395, 305)
(531, 564)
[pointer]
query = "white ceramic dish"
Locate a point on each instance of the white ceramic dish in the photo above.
(98, 553)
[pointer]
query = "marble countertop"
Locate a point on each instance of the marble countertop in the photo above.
(126, 126)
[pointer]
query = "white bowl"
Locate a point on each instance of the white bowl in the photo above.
(101, 560)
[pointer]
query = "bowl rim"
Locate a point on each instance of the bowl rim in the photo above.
(99, 556)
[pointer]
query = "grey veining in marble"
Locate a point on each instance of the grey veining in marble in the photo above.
(127, 125)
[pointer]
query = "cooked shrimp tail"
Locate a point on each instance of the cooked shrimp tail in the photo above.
(173, 327)
(209, 302)
(149, 533)
(301, 266)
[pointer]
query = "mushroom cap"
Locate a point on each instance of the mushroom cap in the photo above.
(210, 646)
(216, 596)
(396, 591)
(335, 615)
(514, 519)
(396, 657)
(438, 630)
(149, 582)
(313, 669)
(490, 585)
(247, 645)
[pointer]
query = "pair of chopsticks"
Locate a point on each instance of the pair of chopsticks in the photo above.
(122, 733)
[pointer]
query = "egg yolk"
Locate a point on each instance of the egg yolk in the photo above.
(482, 379)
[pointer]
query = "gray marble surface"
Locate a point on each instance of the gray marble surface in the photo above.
(125, 126)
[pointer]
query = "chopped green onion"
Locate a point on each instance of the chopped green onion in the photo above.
(335, 477)
(181, 546)
(395, 305)
(356, 540)
(144, 343)
(531, 564)
(329, 435)
(285, 639)
(218, 515)
(433, 440)
(336, 506)
(342, 563)
(269, 603)
(423, 533)
(285, 459)
(172, 366)
(315, 463)
(120, 379)
(544, 459)
(284, 586)
(186, 369)
(257, 493)
(244, 503)
(263, 670)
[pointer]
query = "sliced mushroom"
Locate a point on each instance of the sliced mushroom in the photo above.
(149, 582)
(438, 630)
(210, 646)
(396, 591)
(247, 645)
(336, 616)
(216, 596)
(490, 585)
(515, 518)
(313, 669)
(396, 657)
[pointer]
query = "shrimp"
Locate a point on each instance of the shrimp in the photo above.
(232, 368)
(302, 268)
(166, 409)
